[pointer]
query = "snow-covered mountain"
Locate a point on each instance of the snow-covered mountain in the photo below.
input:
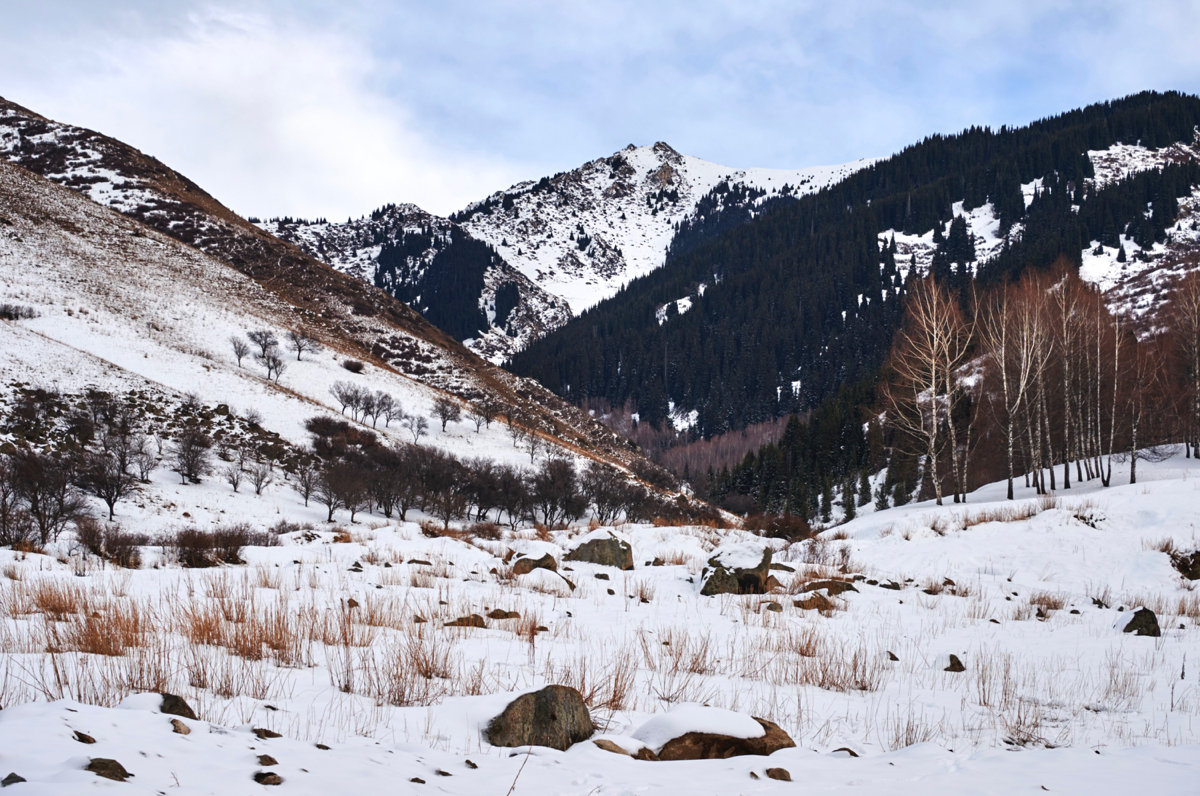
(343, 312)
(557, 245)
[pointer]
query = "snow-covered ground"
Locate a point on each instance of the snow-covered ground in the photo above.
(338, 637)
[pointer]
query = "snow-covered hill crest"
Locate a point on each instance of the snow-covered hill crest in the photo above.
(349, 315)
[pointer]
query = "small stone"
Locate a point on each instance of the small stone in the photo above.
(108, 768)
(609, 746)
(322, 747)
(12, 779)
(753, 775)
(847, 750)
(645, 754)
(417, 780)
(781, 774)
(352, 603)
(83, 737)
(774, 607)
(268, 778)
(611, 592)
(955, 665)
(179, 728)
(892, 656)
(471, 765)
(267, 760)
(263, 733)
(891, 584)
(420, 562)
(831, 587)
(601, 576)
(441, 773)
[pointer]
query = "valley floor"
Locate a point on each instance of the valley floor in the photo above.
(338, 637)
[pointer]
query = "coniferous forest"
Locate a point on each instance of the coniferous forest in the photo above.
(794, 311)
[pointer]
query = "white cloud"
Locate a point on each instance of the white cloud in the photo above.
(271, 117)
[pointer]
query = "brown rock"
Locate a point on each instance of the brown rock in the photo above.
(710, 746)
(176, 706)
(263, 733)
(267, 760)
(831, 587)
(609, 746)
(474, 620)
(955, 665)
(12, 779)
(83, 737)
(108, 768)
(500, 613)
(180, 728)
(774, 607)
(815, 602)
(781, 774)
(523, 565)
(555, 716)
(268, 778)
(645, 753)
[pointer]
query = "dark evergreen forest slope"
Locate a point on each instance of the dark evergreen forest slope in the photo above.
(791, 307)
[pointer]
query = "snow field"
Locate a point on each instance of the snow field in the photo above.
(277, 642)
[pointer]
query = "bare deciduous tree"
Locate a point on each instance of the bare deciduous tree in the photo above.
(240, 348)
(301, 343)
(265, 339)
(446, 411)
(417, 425)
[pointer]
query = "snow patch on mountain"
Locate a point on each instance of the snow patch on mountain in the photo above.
(583, 234)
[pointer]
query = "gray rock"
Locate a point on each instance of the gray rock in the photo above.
(721, 580)
(555, 716)
(608, 552)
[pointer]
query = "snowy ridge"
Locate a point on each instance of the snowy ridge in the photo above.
(565, 242)
(582, 234)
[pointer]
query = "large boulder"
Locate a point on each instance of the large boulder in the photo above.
(526, 564)
(555, 716)
(743, 568)
(695, 732)
(605, 549)
(1143, 623)
(1188, 564)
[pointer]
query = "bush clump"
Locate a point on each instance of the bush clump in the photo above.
(196, 549)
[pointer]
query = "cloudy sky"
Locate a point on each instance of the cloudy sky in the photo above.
(334, 108)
